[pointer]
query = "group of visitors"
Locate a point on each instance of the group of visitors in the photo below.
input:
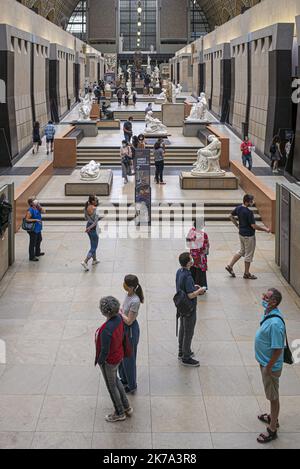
(123, 96)
(37, 139)
(277, 155)
(117, 340)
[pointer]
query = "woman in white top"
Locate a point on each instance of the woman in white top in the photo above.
(129, 312)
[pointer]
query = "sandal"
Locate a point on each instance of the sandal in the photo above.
(265, 418)
(264, 439)
(230, 270)
(250, 277)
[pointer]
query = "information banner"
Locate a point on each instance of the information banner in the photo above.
(143, 186)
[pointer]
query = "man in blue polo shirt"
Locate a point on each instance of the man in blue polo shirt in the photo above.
(185, 282)
(269, 352)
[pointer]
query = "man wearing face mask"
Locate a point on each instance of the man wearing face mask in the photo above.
(244, 220)
(34, 215)
(269, 352)
(185, 283)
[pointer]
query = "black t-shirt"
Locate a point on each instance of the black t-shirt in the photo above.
(185, 282)
(246, 219)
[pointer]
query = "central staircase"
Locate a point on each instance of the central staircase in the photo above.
(110, 156)
(72, 211)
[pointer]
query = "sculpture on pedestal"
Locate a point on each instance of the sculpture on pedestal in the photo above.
(107, 87)
(174, 93)
(90, 172)
(163, 96)
(208, 161)
(178, 89)
(84, 108)
(199, 110)
(156, 77)
(154, 126)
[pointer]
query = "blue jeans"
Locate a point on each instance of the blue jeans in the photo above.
(127, 369)
(127, 137)
(247, 160)
(94, 240)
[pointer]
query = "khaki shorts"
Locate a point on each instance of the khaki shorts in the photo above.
(271, 384)
(247, 250)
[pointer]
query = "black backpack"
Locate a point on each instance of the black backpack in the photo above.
(185, 307)
(288, 356)
(5, 215)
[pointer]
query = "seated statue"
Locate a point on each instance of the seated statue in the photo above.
(84, 108)
(107, 87)
(90, 172)
(178, 89)
(208, 161)
(154, 126)
(199, 110)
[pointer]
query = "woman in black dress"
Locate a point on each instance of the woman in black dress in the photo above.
(36, 137)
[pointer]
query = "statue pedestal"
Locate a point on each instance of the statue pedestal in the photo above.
(192, 127)
(157, 135)
(188, 181)
(173, 115)
(101, 186)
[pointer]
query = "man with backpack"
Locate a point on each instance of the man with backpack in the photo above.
(269, 350)
(246, 148)
(186, 302)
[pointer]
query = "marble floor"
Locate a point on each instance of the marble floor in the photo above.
(52, 396)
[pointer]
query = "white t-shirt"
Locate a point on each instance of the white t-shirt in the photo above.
(131, 303)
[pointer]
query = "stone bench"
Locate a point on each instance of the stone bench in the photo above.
(265, 198)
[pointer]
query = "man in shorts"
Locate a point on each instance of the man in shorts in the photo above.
(244, 219)
(50, 133)
(269, 352)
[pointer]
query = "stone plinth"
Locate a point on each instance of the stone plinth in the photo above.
(89, 128)
(101, 186)
(95, 111)
(191, 128)
(109, 124)
(172, 114)
(190, 182)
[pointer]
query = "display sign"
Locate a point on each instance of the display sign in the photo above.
(143, 186)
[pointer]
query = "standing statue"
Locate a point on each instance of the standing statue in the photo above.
(208, 159)
(163, 96)
(199, 110)
(156, 77)
(178, 89)
(121, 45)
(149, 65)
(84, 108)
(174, 93)
(154, 126)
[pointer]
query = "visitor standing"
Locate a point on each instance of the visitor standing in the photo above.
(126, 98)
(134, 97)
(269, 352)
(198, 242)
(34, 215)
(130, 310)
(120, 96)
(109, 355)
(126, 160)
(159, 159)
(50, 133)
(148, 108)
(188, 312)
(275, 153)
(244, 220)
(92, 230)
(127, 129)
(141, 142)
(246, 149)
(36, 138)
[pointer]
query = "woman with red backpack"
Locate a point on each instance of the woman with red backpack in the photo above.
(111, 348)
(246, 149)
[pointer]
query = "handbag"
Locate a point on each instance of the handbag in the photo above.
(28, 226)
(287, 356)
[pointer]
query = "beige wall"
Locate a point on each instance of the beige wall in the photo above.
(173, 26)
(239, 52)
(41, 53)
(259, 92)
(215, 105)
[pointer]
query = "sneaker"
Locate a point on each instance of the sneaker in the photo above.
(130, 391)
(191, 362)
(40, 254)
(129, 411)
(180, 355)
(115, 418)
(95, 262)
(85, 266)
(35, 259)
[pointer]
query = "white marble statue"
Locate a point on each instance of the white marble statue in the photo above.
(90, 172)
(121, 45)
(208, 160)
(156, 77)
(120, 73)
(163, 96)
(178, 89)
(154, 126)
(85, 107)
(107, 87)
(199, 110)
(152, 49)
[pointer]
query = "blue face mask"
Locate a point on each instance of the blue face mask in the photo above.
(265, 304)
